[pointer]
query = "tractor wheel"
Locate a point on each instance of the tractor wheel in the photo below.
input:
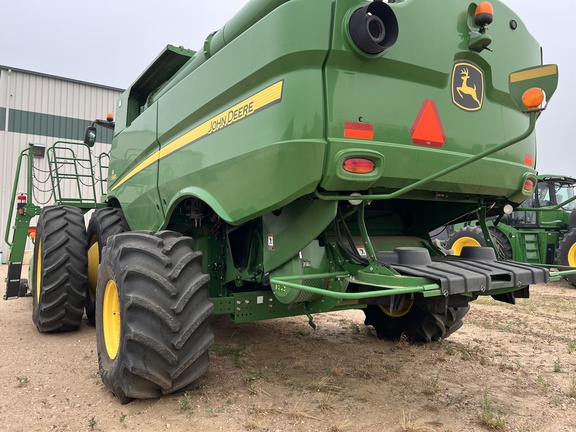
(60, 268)
(152, 315)
(501, 243)
(467, 236)
(566, 253)
(426, 320)
(104, 223)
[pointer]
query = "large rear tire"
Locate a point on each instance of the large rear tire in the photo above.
(60, 270)
(152, 315)
(566, 253)
(501, 243)
(104, 223)
(427, 320)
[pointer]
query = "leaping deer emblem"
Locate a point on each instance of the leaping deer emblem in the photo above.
(465, 88)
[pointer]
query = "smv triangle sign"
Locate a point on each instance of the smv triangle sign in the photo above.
(427, 129)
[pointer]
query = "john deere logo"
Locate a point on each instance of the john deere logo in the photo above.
(467, 86)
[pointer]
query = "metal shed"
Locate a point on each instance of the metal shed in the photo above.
(38, 109)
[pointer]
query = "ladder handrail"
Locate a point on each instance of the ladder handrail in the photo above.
(27, 152)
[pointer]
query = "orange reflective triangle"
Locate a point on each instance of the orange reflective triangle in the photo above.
(427, 129)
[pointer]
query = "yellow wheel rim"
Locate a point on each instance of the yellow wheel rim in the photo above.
(572, 255)
(93, 262)
(111, 319)
(38, 264)
(402, 308)
(464, 241)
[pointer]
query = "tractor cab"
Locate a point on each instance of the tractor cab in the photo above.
(553, 193)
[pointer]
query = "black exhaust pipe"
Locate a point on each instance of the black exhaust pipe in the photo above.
(374, 27)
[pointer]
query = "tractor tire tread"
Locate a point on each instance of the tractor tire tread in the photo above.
(165, 311)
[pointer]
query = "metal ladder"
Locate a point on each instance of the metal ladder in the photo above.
(69, 163)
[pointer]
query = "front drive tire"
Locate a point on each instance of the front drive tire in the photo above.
(467, 236)
(427, 320)
(473, 236)
(60, 269)
(152, 315)
(566, 253)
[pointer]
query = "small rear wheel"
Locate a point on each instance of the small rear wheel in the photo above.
(426, 320)
(566, 253)
(104, 223)
(152, 315)
(60, 270)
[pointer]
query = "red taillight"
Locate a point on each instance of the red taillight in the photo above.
(359, 166)
(528, 185)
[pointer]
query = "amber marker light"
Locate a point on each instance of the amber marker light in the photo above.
(110, 117)
(484, 14)
(358, 166)
(533, 98)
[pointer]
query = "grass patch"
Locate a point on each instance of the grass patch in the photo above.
(340, 425)
(468, 352)
(237, 353)
(542, 383)
(185, 404)
(22, 380)
(409, 425)
(299, 411)
(572, 390)
(558, 366)
(325, 384)
(432, 387)
(92, 423)
(488, 417)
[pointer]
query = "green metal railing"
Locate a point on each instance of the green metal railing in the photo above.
(68, 165)
(65, 164)
(28, 155)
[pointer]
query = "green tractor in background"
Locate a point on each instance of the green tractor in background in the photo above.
(295, 165)
(542, 230)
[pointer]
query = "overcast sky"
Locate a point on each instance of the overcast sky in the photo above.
(87, 41)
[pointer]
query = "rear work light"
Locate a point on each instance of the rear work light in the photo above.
(359, 166)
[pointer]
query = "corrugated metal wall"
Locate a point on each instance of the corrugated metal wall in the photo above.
(42, 109)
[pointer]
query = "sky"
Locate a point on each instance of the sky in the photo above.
(87, 41)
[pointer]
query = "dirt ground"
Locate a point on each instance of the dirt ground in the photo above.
(509, 368)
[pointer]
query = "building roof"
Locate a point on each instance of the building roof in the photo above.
(2, 67)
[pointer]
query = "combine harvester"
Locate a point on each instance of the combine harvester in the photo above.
(294, 165)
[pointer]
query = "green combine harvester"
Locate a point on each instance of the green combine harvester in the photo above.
(294, 165)
(541, 231)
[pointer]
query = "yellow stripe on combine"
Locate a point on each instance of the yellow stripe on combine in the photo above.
(534, 73)
(228, 117)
